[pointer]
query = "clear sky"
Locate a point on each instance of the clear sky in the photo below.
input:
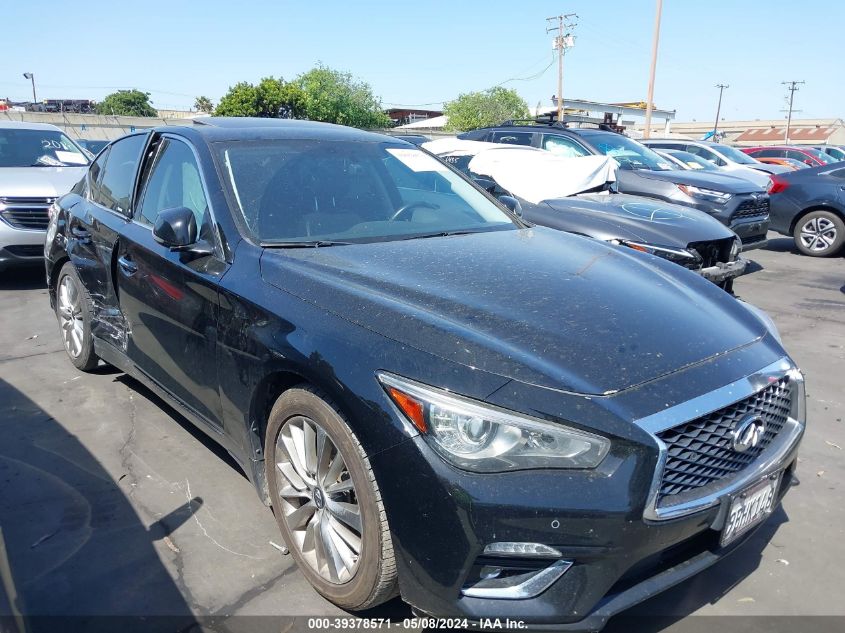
(430, 51)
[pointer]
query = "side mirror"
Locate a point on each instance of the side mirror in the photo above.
(513, 204)
(175, 228)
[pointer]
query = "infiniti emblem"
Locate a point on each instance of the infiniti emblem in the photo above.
(748, 433)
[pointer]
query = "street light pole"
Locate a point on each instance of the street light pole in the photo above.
(649, 106)
(31, 77)
(721, 88)
(792, 87)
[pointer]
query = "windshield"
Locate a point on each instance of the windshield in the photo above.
(628, 153)
(836, 153)
(317, 192)
(38, 148)
(692, 161)
(735, 155)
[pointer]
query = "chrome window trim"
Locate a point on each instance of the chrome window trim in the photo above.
(768, 462)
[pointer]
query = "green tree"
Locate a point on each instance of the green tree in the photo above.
(489, 107)
(204, 104)
(127, 103)
(333, 96)
(271, 98)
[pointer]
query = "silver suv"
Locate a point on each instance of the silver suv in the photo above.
(38, 163)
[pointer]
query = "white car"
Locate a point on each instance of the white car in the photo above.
(38, 163)
(729, 159)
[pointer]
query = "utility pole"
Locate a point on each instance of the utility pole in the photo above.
(793, 86)
(649, 106)
(31, 77)
(563, 40)
(721, 88)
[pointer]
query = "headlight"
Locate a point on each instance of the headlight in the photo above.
(736, 247)
(479, 437)
(705, 194)
(678, 255)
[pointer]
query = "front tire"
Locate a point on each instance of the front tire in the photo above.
(73, 310)
(819, 234)
(327, 502)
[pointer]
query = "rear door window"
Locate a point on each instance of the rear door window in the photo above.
(512, 138)
(563, 146)
(706, 154)
(116, 180)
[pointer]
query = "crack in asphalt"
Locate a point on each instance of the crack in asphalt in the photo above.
(9, 359)
(242, 600)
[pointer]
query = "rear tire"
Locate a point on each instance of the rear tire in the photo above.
(73, 310)
(819, 233)
(327, 502)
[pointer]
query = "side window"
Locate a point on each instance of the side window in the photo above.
(797, 155)
(563, 146)
(117, 178)
(706, 154)
(512, 138)
(95, 173)
(174, 181)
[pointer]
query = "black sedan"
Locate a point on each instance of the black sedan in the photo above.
(437, 401)
(809, 206)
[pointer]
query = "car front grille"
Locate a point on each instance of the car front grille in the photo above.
(752, 208)
(26, 213)
(711, 253)
(700, 452)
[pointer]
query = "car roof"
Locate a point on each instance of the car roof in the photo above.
(250, 128)
(26, 125)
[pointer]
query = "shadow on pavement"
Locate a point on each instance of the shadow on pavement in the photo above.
(23, 278)
(74, 546)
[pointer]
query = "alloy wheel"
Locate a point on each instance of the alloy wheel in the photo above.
(70, 315)
(818, 234)
(318, 499)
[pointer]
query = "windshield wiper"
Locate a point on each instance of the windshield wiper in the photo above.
(304, 244)
(439, 234)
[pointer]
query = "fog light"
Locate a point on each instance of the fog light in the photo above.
(522, 550)
(517, 586)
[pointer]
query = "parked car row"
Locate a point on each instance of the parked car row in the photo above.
(738, 203)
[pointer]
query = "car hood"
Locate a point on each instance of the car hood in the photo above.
(535, 305)
(631, 217)
(38, 182)
(717, 182)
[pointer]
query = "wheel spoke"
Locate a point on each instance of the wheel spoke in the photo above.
(352, 540)
(333, 558)
(340, 487)
(335, 468)
(323, 565)
(309, 440)
(299, 517)
(347, 513)
(324, 454)
(293, 448)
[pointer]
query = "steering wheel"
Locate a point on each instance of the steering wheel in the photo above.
(420, 204)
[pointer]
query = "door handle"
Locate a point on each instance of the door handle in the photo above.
(80, 234)
(127, 266)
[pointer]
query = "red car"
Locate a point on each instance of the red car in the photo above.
(807, 155)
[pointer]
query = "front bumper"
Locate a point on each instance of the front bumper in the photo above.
(723, 271)
(441, 519)
(20, 246)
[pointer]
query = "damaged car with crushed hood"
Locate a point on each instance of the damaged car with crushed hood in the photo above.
(437, 400)
(579, 195)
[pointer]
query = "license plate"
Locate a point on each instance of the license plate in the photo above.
(748, 508)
